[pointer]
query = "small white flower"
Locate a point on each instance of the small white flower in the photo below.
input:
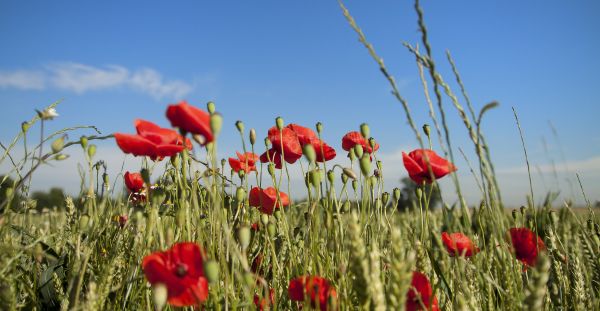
(48, 114)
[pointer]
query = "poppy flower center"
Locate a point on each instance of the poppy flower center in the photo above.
(181, 270)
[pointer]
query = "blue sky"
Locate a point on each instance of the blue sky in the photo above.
(114, 61)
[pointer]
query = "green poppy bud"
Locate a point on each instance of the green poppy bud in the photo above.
(352, 155)
(61, 157)
(346, 207)
(315, 177)
(348, 172)
(319, 127)
(331, 176)
(397, 194)
(25, 126)
(240, 194)
(145, 175)
(210, 106)
(426, 129)
(279, 123)
(373, 181)
(105, 179)
(379, 165)
(58, 144)
(252, 136)
(309, 153)
(372, 143)
(271, 229)
(271, 169)
(358, 150)
(344, 178)
(216, 122)
(91, 151)
(159, 296)
(244, 235)
(418, 193)
(264, 218)
(385, 198)
(84, 222)
(211, 270)
(240, 126)
(365, 164)
(355, 185)
(83, 141)
(364, 130)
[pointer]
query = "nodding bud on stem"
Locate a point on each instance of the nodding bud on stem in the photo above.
(244, 235)
(364, 130)
(419, 193)
(25, 126)
(216, 122)
(252, 136)
(58, 144)
(279, 123)
(159, 295)
(344, 178)
(309, 153)
(331, 176)
(426, 129)
(210, 106)
(240, 126)
(319, 127)
(271, 169)
(358, 150)
(349, 173)
(211, 270)
(91, 151)
(365, 164)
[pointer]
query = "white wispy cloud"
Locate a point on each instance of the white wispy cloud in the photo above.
(80, 78)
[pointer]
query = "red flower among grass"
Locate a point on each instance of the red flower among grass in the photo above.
(352, 139)
(307, 136)
(416, 164)
(134, 182)
(152, 141)
(420, 294)
(266, 199)
(180, 269)
(314, 288)
(245, 162)
(527, 245)
(191, 120)
(458, 244)
(264, 304)
(285, 141)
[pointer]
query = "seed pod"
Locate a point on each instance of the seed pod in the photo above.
(309, 153)
(279, 123)
(210, 106)
(159, 296)
(349, 173)
(91, 151)
(223, 162)
(244, 235)
(241, 174)
(365, 164)
(211, 270)
(252, 136)
(240, 126)
(364, 130)
(216, 122)
(358, 150)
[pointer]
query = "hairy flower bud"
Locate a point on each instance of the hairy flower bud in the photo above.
(159, 295)
(210, 106)
(240, 126)
(244, 235)
(216, 122)
(365, 164)
(252, 136)
(211, 269)
(319, 127)
(309, 153)
(91, 151)
(58, 144)
(279, 123)
(364, 130)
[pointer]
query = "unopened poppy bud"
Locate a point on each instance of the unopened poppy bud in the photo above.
(331, 176)
(264, 218)
(267, 143)
(355, 185)
(364, 130)
(91, 151)
(352, 155)
(240, 126)
(271, 169)
(426, 129)
(344, 178)
(210, 106)
(372, 143)
(373, 181)
(83, 141)
(25, 126)
(175, 161)
(240, 194)
(105, 178)
(309, 153)
(346, 207)
(58, 144)
(515, 214)
(315, 177)
(159, 296)
(201, 140)
(244, 235)
(211, 269)
(349, 173)
(223, 162)
(61, 157)
(271, 229)
(252, 136)
(8, 192)
(397, 193)
(279, 123)
(365, 164)
(84, 222)
(319, 127)
(419, 193)
(145, 175)
(241, 174)
(216, 122)
(358, 150)
(385, 198)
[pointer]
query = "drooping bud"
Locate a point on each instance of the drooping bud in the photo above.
(240, 193)
(331, 176)
(358, 150)
(349, 173)
(309, 153)
(244, 235)
(252, 136)
(216, 122)
(210, 106)
(319, 127)
(25, 126)
(364, 130)
(365, 164)
(346, 207)
(58, 144)
(240, 126)
(271, 169)
(279, 123)
(159, 296)
(427, 129)
(355, 185)
(344, 178)
(91, 151)
(211, 270)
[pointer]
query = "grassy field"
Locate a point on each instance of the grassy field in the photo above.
(220, 234)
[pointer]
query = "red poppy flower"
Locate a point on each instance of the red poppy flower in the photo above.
(416, 165)
(273, 156)
(305, 135)
(152, 141)
(268, 200)
(245, 162)
(458, 244)
(190, 119)
(264, 304)
(420, 294)
(180, 269)
(316, 288)
(352, 139)
(323, 150)
(134, 181)
(285, 140)
(527, 245)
